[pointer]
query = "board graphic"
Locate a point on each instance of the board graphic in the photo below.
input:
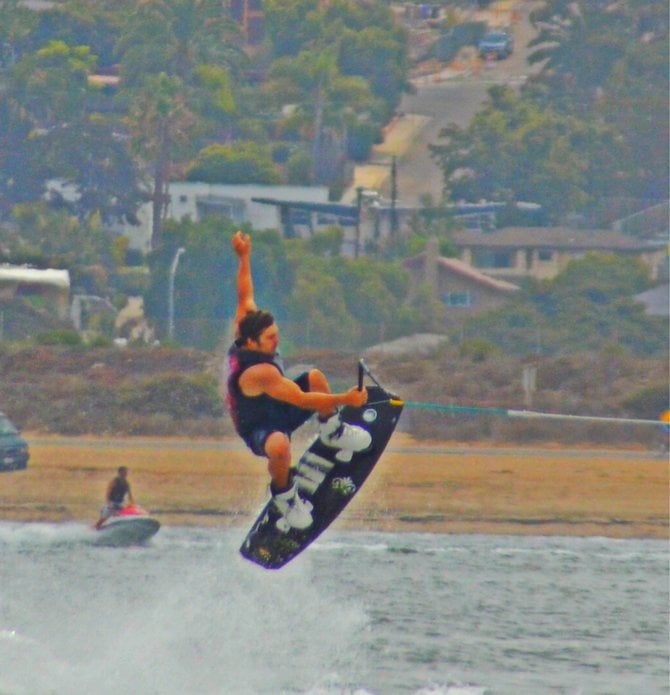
(327, 483)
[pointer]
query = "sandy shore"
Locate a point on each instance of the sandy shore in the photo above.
(418, 487)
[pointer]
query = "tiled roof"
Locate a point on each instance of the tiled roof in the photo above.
(552, 237)
(464, 270)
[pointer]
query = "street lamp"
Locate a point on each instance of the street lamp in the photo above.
(173, 270)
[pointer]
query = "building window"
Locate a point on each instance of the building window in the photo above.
(183, 199)
(461, 298)
(214, 206)
(484, 258)
(544, 255)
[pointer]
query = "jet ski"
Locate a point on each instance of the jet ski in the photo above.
(131, 525)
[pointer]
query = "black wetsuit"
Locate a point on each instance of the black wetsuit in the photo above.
(256, 417)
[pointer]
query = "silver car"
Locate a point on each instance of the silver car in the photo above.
(497, 43)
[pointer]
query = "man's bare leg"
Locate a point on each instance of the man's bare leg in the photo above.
(278, 451)
(295, 512)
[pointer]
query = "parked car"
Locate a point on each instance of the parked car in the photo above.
(497, 43)
(14, 452)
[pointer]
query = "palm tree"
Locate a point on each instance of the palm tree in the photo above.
(327, 100)
(175, 58)
(175, 36)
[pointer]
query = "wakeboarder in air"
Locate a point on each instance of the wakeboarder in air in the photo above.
(266, 407)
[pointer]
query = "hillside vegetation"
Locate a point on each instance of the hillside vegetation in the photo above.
(143, 391)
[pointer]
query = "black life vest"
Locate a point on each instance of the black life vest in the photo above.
(249, 412)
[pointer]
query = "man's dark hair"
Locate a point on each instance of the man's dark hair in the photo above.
(122, 469)
(253, 324)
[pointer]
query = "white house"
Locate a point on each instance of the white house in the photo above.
(197, 201)
(50, 282)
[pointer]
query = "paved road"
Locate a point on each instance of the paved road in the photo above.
(454, 99)
(449, 102)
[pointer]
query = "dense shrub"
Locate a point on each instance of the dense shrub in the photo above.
(59, 337)
(165, 392)
(648, 402)
(478, 350)
(177, 395)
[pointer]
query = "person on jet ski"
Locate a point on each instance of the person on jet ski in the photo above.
(117, 491)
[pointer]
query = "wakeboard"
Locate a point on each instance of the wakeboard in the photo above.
(326, 482)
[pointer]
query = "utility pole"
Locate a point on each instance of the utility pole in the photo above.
(394, 197)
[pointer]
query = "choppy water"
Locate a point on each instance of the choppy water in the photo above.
(357, 614)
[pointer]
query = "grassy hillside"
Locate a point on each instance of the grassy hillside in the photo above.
(160, 391)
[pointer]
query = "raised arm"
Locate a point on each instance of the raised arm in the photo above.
(245, 286)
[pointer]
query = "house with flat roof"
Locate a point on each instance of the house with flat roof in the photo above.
(542, 252)
(196, 201)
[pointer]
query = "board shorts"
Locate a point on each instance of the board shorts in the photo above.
(285, 418)
(110, 509)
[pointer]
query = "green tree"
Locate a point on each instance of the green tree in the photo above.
(299, 168)
(174, 37)
(213, 98)
(49, 105)
(97, 163)
(379, 55)
(318, 313)
(21, 176)
(175, 60)
(578, 42)
(291, 25)
(241, 162)
(374, 309)
(326, 99)
(327, 241)
(635, 101)
(344, 65)
(57, 238)
(160, 125)
(17, 23)
(52, 83)
(587, 307)
(594, 298)
(608, 65)
(515, 150)
(79, 22)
